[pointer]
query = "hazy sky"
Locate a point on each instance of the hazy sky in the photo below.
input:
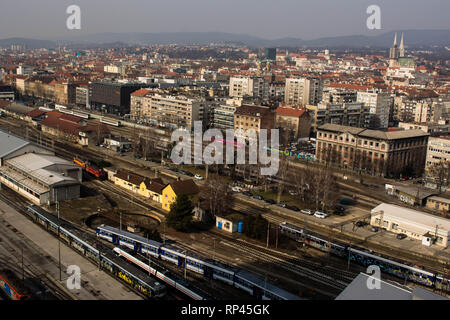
(307, 19)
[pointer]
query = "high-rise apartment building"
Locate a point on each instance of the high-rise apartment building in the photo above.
(257, 87)
(303, 91)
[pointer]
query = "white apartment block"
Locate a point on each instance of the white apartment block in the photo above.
(249, 86)
(379, 104)
(170, 111)
(303, 91)
(438, 150)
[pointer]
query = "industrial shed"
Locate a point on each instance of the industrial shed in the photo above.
(415, 224)
(44, 179)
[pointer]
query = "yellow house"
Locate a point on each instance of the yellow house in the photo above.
(172, 190)
(146, 187)
(152, 189)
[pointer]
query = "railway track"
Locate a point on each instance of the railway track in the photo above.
(13, 259)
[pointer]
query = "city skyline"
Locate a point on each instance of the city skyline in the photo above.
(305, 19)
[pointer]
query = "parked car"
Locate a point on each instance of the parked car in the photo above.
(360, 223)
(320, 214)
(258, 197)
(198, 177)
(236, 189)
(293, 193)
(247, 193)
(293, 208)
(282, 204)
(270, 201)
(339, 213)
(306, 211)
(339, 208)
(401, 236)
(190, 174)
(374, 229)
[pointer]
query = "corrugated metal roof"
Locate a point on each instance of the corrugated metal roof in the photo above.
(36, 165)
(10, 143)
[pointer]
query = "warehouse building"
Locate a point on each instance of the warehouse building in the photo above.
(12, 146)
(35, 172)
(417, 225)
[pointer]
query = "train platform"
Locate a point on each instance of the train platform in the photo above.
(95, 284)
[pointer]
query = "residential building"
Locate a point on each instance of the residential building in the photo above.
(303, 91)
(354, 114)
(257, 87)
(384, 153)
(223, 117)
(146, 187)
(174, 111)
(438, 150)
(253, 117)
(379, 104)
(6, 93)
(293, 122)
(173, 190)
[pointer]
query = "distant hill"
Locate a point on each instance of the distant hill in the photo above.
(30, 43)
(413, 38)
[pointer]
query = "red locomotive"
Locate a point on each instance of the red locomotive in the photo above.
(91, 168)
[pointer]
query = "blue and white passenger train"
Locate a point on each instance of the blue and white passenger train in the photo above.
(211, 269)
(88, 246)
(361, 256)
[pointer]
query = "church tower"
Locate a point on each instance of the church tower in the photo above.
(402, 48)
(394, 52)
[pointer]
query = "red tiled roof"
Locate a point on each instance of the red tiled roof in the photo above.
(61, 125)
(141, 92)
(4, 103)
(35, 113)
(290, 112)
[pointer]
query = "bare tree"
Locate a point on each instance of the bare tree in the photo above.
(441, 173)
(217, 195)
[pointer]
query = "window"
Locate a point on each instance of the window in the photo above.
(394, 226)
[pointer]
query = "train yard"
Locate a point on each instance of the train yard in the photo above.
(327, 280)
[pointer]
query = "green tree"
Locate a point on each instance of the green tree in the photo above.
(180, 215)
(153, 235)
(255, 227)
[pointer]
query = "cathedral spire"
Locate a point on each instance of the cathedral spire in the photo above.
(402, 47)
(395, 41)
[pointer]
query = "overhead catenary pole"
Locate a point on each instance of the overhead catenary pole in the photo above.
(268, 231)
(59, 237)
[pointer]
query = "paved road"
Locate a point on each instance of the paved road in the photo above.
(40, 251)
